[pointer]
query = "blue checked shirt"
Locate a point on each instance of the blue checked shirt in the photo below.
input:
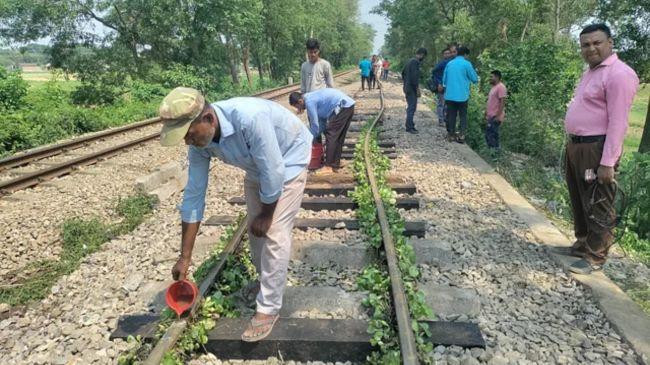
(322, 104)
(266, 140)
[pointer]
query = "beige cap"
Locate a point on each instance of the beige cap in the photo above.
(177, 111)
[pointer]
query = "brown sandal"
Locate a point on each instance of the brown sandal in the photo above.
(254, 324)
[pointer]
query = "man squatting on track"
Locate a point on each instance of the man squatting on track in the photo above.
(596, 122)
(273, 146)
(330, 112)
(315, 73)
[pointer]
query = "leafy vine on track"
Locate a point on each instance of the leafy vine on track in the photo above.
(374, 278)
(236, 274)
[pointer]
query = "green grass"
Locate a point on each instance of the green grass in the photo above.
(80, 237)
(134, 209)
(637, 119)
(37, 76)
(66, 85)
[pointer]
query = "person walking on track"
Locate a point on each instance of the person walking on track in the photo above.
(330, 112)
(376, 69)
(273, 146)
(596, 122)
(365, 66)
(372, 78)
(456, 79)
(436, 77)
(495, 110)
(385, 68)
(315, 73)
(411, 87)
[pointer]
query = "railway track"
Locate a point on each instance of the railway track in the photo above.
(14, 180)
(320, 321)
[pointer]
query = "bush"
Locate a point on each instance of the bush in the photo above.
(540, 77)
(531, 132)
(12, 90)
(188, 76)
(542, 70)
(142, 91)
(51, 120)
(94, 94)
(100, 88)
(15, 134)
(635, 182)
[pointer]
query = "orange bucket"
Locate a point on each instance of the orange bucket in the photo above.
(181, 295)
(316, 156)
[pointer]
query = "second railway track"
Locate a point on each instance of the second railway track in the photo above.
(320, 321)
(14, 179)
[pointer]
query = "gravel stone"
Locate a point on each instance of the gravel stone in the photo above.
(530, 310)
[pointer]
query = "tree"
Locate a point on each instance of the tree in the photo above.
(215, 37)
(630, 21)
(644, 147)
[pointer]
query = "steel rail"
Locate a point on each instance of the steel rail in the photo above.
(174, 332)
(23, 158)
(402, 314)
(35, 178)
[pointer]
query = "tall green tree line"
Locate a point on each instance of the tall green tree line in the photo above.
(217, 37)
(479, 24)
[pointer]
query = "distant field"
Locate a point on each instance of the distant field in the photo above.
(637, 119)
(39, 77)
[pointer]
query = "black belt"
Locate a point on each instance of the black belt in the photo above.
(586, 139)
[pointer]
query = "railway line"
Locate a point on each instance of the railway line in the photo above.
(17, 172)
(478, 262)
(319, 322)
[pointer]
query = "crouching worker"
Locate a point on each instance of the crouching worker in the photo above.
(273, 146)
(329, 111)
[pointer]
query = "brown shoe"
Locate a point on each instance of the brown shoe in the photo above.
(569, 251)
(451, 138)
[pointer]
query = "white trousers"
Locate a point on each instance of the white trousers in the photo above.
(271, 254)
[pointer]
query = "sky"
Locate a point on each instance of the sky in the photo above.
(379, 23)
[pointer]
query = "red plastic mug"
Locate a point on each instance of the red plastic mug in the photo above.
(181, 295)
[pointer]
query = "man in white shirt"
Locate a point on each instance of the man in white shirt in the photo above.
(377, 67)
(316, 73)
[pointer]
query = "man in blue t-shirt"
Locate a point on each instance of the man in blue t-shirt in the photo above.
(365, 65)
(456, 79)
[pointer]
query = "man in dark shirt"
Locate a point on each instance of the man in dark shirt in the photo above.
(411, 80)
(436, 77)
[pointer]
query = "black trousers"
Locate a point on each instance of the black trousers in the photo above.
(492, 132)
(365, 80)
(454, 108)
(337, 128)
(372, 80)
(411, 105)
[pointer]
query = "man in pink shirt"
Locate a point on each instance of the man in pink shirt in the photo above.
(596, 122)
(495, 111)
